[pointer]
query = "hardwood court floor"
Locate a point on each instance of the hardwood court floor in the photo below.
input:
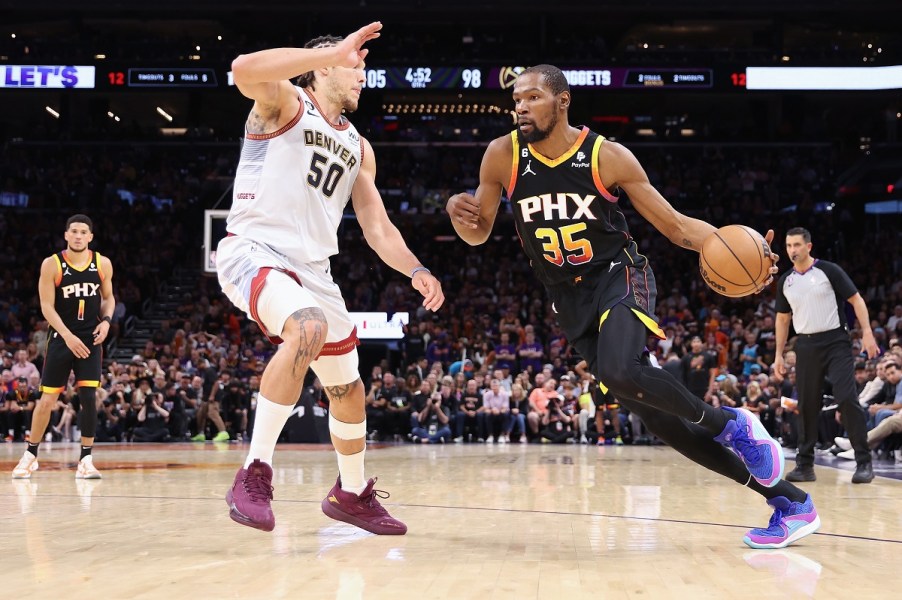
(493, 521)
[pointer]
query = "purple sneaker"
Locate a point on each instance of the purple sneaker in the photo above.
(250, 496)
(791, 521)
(364, 510)
(747, 438)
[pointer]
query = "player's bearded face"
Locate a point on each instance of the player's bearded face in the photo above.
(343, 89)
(539, 133)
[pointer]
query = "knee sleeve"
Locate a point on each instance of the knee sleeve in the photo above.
(87, 416)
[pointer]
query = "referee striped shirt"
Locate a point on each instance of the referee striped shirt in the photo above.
(815, 297)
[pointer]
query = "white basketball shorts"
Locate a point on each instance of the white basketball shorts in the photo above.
(269, 288)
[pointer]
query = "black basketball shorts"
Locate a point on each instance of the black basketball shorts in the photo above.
(59, 362)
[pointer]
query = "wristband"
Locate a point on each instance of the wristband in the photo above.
(417, 270)
(108, 320)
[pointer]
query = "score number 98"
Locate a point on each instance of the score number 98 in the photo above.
(472, 78)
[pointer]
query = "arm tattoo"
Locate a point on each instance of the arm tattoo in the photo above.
(309, 344)
(337, 393)
(687, 243)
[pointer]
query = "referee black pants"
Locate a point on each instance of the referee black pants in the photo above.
(828, 354)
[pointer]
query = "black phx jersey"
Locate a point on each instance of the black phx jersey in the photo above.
(78, 294)
(567, 221)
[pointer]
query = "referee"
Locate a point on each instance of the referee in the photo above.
(813, 295)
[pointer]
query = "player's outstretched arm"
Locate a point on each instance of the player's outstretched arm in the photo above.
(618, 165)
(383, 237)
(264, 76)
(620, 168)
(474, 216)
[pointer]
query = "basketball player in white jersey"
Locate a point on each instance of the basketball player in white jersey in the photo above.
(300, 163)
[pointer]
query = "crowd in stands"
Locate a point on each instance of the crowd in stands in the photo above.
(491, 365)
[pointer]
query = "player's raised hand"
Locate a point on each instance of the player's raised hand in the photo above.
(350, 50)
(463, 210)
(774, 257)
(431, 288)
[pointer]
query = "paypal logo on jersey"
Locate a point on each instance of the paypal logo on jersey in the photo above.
(579, 164)
(46, 76)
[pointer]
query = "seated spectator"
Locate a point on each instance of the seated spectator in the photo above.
(152, 419)
(377, 423)
(398, 405)
(109, 421)
(519, 408)
(556, 424)
(496, 404)
(471, 415)
(887, 427)
(210, 410)
(20, 403)
(433, 422)
(538, 402)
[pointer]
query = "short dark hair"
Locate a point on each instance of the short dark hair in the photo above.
(80, 219)
(553, 77)
(324, 41)
(806, 235)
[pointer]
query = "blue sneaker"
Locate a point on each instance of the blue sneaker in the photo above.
(748, 439)
(791, 521)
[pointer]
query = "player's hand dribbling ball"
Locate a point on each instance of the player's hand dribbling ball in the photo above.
(735, 261)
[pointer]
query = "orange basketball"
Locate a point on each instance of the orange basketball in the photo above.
(735, 260)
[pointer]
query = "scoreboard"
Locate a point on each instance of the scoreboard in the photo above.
(503, 77)
(149, 77)
(103, 76)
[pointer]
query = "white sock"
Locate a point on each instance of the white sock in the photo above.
(350, 469)
(268, 424)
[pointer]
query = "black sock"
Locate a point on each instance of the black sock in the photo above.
(783, 488)
(85, 451)
(33, 448)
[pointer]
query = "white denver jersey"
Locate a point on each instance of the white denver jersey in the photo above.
(292, 185)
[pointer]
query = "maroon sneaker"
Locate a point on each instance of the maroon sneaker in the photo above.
(364, 510)
(250, 496)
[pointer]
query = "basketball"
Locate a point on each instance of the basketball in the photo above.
(735, 261)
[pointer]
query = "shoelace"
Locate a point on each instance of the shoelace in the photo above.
(372, 500)
(744, 445)
(257, 487)
(776, 518)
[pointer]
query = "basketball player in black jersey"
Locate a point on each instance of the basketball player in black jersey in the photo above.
(76, 292)
(560, 180)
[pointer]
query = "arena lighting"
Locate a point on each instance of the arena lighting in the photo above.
(53, 113)
(824, 78)
(417, 108)
(100, 56)
(164, 114)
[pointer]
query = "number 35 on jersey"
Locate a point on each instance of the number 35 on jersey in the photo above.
(561, 244)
